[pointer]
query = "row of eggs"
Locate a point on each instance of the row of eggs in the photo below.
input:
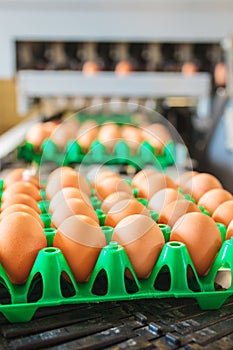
(108, 134)
(79, 234)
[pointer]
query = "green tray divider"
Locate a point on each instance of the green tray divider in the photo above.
(169, 153)
(114, 261)
(46, 218)
(101, 216)
(73, 152)
(175, 256)
(166, 231)
(223, 230)
(44, 206)
(108, 231)
(50, 234)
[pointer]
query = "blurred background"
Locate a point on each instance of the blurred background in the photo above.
(171, 56)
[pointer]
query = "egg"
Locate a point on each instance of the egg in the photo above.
(162, 198)
(65, 177)
(87, 133)
(15, 208)
(200, 184)
(21, 174)
(61, 135)
(66, 193)
(114, 198)
(109, 134)
(174, 210)
(21, 198)
(72, 206)
(224, 213)
(37, 134)
(142, 176)
(220, 74)
(22, 187)
(157, 135)
(21, 238)
(153, 183)
(110, 185)
(189, 68)
(123, 67)
(213, 198)
(143, 241)
(80, 239)
(229, 233)
(91, 68)
(132, 136)
(185, 177)
(102, 175)
(202, 238)
(123, 209)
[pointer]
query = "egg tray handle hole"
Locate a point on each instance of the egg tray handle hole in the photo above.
(175, 244)
(51, 250)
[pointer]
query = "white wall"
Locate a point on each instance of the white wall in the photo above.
(132, 20)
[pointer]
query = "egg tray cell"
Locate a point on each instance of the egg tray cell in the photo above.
(98, 155)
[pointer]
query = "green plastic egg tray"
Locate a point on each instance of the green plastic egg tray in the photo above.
(169, 278)
(98, 154)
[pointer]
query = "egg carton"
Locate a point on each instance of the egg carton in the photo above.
(98, 154)
(46, 286)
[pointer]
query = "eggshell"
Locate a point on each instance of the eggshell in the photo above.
(114, 198)
(37, 134)
(123, 67)
(185, 177)
(21, 174)
(229, 230)
(224, 213)
(87, 133)
(109, 134)
(142, 176)
(111, 185)
(102, 175)
(153, 183)
(200, 184)
(90, 68)
(21, 238)
(65, 177)
(61, 135)
(124, 208)
(22, 187)
(174, 210)
(21, 198)
(80, 239)
(202, 238)
(220, 74)
(66, 193)
(132, 136)
(213, 198)
(157, 135)
(162, 198)
(15, 208)
(189, 68)
(143, 241)
(72, 206)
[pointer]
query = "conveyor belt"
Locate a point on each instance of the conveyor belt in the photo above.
(142, 324)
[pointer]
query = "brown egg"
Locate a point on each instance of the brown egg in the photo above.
(87, 133)
(51, 126)
(174, 210)
(153, 183)
(109, 134)
(132, 136)
(123, 209)
(157, 135)
(123, 67)
(200, 184)
(21, 174)
(22, 187)
(189, 68)
(114, 198)
(229, 230)
(220, 74)
(80, 239)
(202, 238)
(143, 241)
(162, 198)
(62, 135)
(111, 185)
(185, 177)
(22, 208)
(224, 213)
(21, 238)
(70, 207)
(90, 68)
(21, 198)
(37, 134)
(102, 175)
(213, 198)
(65, 177)
(142, 176)
(66, 193)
